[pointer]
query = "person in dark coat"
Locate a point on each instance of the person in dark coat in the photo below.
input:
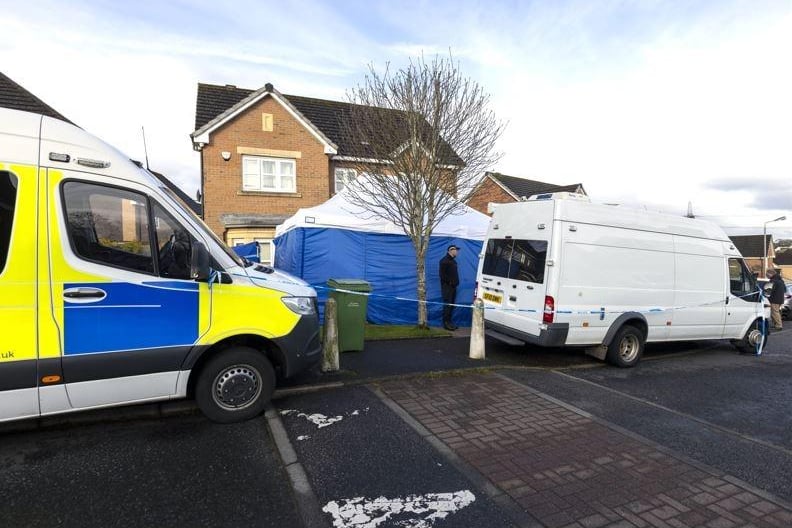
(776, 297)
(449, 280)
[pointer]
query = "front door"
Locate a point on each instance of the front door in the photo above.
(130, 312)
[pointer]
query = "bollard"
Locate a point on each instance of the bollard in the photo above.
(477, 331)
(330, 338)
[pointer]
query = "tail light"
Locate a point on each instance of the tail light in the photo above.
(549, 310)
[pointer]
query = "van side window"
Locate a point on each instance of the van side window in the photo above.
(174, 245)
(8, 194)
(741, 280)
(517, 259)
(109, 226)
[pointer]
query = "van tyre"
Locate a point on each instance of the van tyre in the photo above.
(235, 385)
(626, 348)
(748, 344)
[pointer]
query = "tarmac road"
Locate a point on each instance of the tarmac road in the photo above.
(178, 471)
(729, 411)
(354, 448)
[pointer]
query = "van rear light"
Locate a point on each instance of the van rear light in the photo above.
(549, 310)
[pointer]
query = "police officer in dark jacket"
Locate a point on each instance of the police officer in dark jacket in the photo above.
(449, 280)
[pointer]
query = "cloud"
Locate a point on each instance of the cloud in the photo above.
(650, 103)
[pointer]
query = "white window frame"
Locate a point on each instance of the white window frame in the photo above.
(345, 175)
(254, 180)
(235, 240)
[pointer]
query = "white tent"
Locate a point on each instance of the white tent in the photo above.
(337, 239)
(339, 212)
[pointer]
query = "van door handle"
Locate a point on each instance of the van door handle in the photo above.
(84, 294)
(512, 298)
(529, 287)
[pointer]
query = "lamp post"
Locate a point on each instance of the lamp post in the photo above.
(764, 242)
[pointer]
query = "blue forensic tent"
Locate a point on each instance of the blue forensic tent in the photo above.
(249, 251)
(341, 241)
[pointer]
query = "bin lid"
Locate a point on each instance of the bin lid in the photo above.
(358, 285)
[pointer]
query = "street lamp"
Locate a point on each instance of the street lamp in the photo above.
(764, 242)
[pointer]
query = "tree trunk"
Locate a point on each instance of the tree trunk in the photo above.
(420, 268)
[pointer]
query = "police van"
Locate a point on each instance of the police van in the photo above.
(558, 270)
(113, 292)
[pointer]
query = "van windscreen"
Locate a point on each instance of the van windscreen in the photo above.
(517, 259)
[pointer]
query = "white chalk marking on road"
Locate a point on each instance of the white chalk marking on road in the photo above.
(415, 511)
(303, 437)
(320, 420)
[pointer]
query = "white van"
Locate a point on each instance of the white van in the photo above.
(112, 292)
(558, 270)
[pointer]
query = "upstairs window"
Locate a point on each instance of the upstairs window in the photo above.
(8, 194)
(268, 174)
(344, 177)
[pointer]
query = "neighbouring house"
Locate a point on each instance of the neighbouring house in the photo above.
(783, 261)
(14, 96)
(754, 248)
(495, 187)
(264, 155)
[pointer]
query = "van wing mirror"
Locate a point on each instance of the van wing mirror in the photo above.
(199, 262)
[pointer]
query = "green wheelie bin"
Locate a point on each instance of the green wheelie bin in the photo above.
(351, 311)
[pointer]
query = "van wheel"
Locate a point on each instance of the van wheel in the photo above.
(749, 342)
(626, 348)
(235, 385)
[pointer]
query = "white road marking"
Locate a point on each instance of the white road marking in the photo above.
(426, 509)
(303, 437)
(320, 420)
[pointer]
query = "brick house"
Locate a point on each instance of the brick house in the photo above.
(754, 248)
(783, 261)
(500, 188)
(15, 97)
(262, 159)
(264, 155)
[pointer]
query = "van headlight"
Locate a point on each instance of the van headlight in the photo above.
(300, 305)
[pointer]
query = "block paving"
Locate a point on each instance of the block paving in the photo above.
(568, 470)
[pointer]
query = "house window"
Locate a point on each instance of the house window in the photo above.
(266, 248)
(344, 177)
(268, 174)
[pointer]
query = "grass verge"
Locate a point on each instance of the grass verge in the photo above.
(378, 332)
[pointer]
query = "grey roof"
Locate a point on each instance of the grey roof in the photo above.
(751, 246)
(326, 116)
(523, 187)
(251, 219)
(15, 97)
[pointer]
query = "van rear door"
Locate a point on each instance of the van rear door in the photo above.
(513, 281)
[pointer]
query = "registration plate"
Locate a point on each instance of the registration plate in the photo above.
(491, 297)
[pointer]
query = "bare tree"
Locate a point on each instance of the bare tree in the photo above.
(426, 136)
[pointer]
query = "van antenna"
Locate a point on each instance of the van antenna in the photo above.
(690, 211)
(145, 150)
